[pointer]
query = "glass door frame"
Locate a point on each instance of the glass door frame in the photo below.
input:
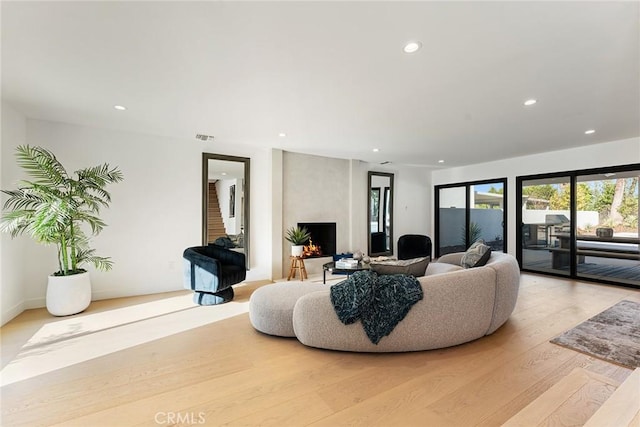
(572, 220)
(468, 208)
(573, 180)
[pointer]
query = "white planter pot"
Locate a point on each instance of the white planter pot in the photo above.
(68, 295)
(296, 250)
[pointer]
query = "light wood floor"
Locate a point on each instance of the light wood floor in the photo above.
(157, 360)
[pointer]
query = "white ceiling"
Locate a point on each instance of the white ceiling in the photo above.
(333, 75)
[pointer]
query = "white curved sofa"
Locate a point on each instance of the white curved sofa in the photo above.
(459, 305)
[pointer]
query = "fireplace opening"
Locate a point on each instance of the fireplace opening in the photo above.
(323, 239)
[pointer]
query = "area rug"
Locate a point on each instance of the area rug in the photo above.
(613, 335)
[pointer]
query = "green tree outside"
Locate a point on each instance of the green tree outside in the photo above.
(591, 196)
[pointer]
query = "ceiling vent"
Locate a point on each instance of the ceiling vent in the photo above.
(386, 162)
(205, 138)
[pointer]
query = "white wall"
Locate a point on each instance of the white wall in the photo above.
(275, 207)
(594, 156)
(12, 286)
(155, 213)
(411, 201)
(358, 196)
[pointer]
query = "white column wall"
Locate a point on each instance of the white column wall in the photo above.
(276, 209)
(315, 189)
(412, 203)
(358, 207)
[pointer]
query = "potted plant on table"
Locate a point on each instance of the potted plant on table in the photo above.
(298, 237)
(53, 207)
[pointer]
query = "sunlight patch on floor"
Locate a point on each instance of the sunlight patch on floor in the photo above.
(69, 327)
(128, 331)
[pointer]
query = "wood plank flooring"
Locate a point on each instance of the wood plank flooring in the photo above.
(187, 365)
(580, 387)
(622, 409)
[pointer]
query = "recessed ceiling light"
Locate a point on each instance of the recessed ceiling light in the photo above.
(589, 132)
(440, 161)
(120, 107)
(282, 134)
(223, 173)
(375, 150)
(412, 47)
(530, 102)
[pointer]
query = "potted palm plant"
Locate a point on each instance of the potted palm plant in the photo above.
(54, 207)
(298, 237)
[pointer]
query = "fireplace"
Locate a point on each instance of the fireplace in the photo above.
(323, 234)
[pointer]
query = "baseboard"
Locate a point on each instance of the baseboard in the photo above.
(118, 293)
(12, 312)
(29, 304)
(35, 303)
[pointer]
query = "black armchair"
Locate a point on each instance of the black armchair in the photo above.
(210, 271)
(414, 246)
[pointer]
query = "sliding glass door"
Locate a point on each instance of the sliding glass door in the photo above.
(581, 224)
(607, 226)
(451, 224)
(466, 212)
(487, 214)
(546, 224)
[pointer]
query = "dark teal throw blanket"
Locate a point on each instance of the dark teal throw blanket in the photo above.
(380, 302)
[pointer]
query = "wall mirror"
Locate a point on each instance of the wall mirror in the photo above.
(380, 213)
(225, 201)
